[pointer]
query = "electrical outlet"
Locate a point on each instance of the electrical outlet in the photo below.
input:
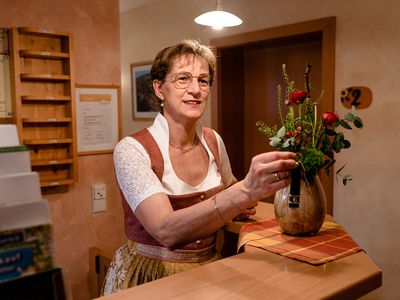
(99, 191)
(99, 197)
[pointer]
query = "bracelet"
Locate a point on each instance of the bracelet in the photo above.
(214, 198)
(230, 200)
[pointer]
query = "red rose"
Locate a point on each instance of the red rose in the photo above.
(298, 97)
(329, 118)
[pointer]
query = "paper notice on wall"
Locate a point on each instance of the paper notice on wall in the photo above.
(5, 92)
(96, 130)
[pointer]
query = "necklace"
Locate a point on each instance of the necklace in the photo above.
(184, 150)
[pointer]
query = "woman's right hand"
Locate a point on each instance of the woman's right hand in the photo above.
(268, 172)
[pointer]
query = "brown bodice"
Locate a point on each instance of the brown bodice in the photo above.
(133, 229)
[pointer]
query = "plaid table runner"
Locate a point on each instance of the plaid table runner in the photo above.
(330, 243)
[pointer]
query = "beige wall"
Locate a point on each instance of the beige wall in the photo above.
(367, 53)
(94, 25)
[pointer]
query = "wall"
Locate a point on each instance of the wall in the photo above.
(367, 53)
(95, 28)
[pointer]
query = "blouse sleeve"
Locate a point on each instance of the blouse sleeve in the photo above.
(135, 177)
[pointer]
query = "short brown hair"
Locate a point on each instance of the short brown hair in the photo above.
(164, 59)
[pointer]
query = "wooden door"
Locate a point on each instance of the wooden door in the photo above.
(262, 74)
(249, 72)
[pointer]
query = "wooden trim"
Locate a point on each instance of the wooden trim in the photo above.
(70, 47)
(323, 25)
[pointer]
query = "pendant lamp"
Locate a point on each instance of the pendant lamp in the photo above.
(218, 18)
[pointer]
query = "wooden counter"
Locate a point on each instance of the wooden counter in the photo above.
(259, 274)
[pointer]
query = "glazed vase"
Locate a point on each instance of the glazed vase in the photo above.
(300, 208)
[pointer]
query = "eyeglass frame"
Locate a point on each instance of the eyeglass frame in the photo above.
(179, 86)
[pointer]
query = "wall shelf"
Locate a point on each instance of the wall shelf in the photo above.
(45, 184)
(52, 162)
(43, 54)
(47, 141)
(48, 120)
(44, 77)
(42, 32)
(45, 98)
(43, 101)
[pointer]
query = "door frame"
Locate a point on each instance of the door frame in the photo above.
(324, 26)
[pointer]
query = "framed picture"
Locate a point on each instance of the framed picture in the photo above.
(144, 102)
(98, 118)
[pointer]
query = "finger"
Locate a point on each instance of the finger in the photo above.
(249, 211)
(284, 174)
(280, 166)
(264, 171)
(274, 155)
(252, 211)
(277, 176)
(246, 214)
(241, 217)
(277, 180)
(281, 183)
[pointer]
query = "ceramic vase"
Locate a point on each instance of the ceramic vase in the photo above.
(300, 208)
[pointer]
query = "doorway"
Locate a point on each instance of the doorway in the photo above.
(249, 70)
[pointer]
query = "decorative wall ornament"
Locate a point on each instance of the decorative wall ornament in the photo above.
(358, 96)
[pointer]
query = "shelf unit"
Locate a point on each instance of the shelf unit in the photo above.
(43, 89)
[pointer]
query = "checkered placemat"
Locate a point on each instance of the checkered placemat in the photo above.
(330, 243)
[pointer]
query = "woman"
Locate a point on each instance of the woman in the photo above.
(175, 176)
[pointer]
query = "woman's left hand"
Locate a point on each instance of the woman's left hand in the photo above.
(246, 214)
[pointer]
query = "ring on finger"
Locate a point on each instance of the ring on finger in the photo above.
(276, 176)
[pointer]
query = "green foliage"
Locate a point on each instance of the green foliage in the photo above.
(266, 130)
(312, 160)
(305, 131)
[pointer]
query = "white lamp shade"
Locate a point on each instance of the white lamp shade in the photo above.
(218, 19)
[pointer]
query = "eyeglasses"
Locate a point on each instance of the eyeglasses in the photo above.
(184, 79)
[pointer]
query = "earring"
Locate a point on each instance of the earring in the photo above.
(162, 104)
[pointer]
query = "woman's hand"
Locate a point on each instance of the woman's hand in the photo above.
(268, 173)
(245, 215)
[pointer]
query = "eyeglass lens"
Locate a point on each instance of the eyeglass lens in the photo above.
(184, 79)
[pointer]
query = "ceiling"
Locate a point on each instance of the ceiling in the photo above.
(125, 5)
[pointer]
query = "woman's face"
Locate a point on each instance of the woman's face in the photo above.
(185, 89)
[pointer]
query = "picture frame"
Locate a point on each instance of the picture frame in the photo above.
(98, 111)
(144, 102)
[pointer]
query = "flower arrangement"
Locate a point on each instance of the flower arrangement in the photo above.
(313, 136)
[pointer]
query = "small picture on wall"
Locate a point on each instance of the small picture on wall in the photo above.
(144, 102)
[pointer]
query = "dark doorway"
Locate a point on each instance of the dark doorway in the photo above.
(249, 71)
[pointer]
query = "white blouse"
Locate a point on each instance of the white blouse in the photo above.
(137, 180)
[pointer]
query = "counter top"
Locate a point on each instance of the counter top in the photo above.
(259, 274)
